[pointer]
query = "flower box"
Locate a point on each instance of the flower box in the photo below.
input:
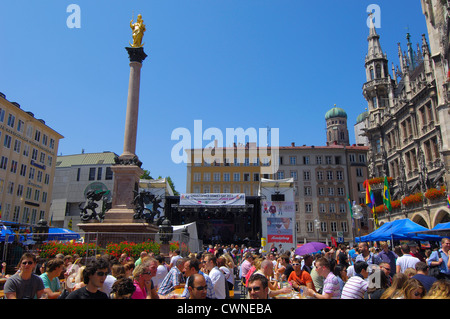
(412, 199)
(434, 193)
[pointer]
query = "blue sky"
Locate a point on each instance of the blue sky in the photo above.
(229, 63)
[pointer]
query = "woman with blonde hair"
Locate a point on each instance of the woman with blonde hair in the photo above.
(413, 289)
(398, 282)
(440, 289)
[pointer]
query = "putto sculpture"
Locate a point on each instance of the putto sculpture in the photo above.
(92, 197)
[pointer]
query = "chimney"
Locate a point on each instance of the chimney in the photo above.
(293, 144)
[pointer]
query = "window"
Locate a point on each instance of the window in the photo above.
(2, 115)
(329, 160)
(359, 172)
(32, 172)
(20, 126)
(362, 158)
(293, 160)
(236, 177)
(37, 136)
(329, 175)
(321, 191)
(13, 166)
(256, 177)
(226, 177)
(342, 208)
(294, 175)
(7, 142)
(3, 162)
(332, 208)
(37, 194)
(322, 208)
(305, 160)
(306, 175)
(216, 177)
(308, 207)
(340, 191)
(320, 175)
(39, 176)
(330, 191)
(333, 226)
(17, 145)
(26, 150)
(206, 177)
(92, 173)
(339, 175)
(78, 174)
(352, 158)
(23, 170)
(323, 227)
(99, 173)
(34, 154)
(10, 188)
(19, 190)
(318, 160)
(307, 191)
(246, 177)
(109, 174)
(280, 175)
(11, 120)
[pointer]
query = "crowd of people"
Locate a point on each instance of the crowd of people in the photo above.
(358, 272)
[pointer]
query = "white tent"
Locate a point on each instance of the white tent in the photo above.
(194, 243)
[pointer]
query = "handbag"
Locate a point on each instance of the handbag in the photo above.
(435, 271)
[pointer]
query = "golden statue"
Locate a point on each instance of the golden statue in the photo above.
(138, 31)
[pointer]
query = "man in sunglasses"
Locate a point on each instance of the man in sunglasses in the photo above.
(25, 284)
(197, 286)
(94, 276)
(258, 287)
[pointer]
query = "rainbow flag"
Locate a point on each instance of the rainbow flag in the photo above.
(370, 199)
(448, 198)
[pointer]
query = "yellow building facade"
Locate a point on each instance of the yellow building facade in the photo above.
(28, 154)
(226, 170)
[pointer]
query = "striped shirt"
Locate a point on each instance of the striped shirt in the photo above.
(331, 286)
(354, 288)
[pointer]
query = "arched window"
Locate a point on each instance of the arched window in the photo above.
(378, 71)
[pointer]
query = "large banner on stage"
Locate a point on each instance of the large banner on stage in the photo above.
(280, 220)
(212, 199)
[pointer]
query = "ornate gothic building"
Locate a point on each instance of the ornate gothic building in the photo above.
(408, 122)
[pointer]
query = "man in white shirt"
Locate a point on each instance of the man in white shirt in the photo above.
(217, 277)
(405, 261)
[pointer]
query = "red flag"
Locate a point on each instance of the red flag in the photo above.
(333, 241)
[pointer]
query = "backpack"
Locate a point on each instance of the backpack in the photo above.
(435, 271)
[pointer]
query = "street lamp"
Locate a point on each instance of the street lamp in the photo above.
(317, 225)
(357, 214)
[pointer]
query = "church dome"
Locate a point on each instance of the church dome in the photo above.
(335, 112)
(361, 117)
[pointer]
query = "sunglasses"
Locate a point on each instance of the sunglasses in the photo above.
(250, 289)
(295, 264)
(101, 273)
(27, 263)
(201, 288)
